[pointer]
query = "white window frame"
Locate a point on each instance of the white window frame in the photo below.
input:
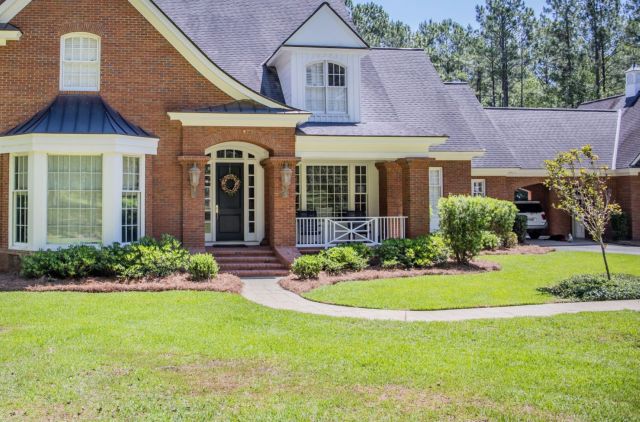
(434, 217)
(483, 190)
(325, 79)
(140, 192)
(12, 194)
(63, 61)
(371, 185)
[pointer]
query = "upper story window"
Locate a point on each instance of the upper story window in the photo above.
(80, 62)
(326, 89)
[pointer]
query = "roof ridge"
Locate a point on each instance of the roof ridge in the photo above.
(602, 99)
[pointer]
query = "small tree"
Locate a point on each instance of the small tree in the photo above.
(581, 184)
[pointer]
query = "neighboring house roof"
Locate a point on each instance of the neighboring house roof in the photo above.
(535, 135)
(78, 114)
(498, 153)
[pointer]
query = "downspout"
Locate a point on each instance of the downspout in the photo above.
(617, 141)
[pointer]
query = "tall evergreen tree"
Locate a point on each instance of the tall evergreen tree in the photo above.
(377, 28)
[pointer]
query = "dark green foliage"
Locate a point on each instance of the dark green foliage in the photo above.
(596, 287)
(147, 258)
(463, 219)
(490, 241)
(511, 241)
(422, 252)
(502, 216)
(520, 228)
(307, 266)
(203, 267)
(620, 227)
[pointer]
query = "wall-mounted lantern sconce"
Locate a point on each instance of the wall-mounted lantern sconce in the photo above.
(194, 179)
(287, 174)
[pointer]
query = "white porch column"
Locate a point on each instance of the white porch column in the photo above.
(111, 198)
(38, 168)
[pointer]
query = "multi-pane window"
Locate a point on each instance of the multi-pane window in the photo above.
(80, 63)
(208, 210)
(131, 198)
(361, 189)
(328, 190)
(20, 199)
(229, 153)
(252, 197)
(435, 193)
(74, 202)
(326, 88)
(478, 187)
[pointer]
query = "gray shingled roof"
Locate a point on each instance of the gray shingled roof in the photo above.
(629, 144)
(78, 114)
(497, 152)
(610, 103)
(535, 135)
(240, 35)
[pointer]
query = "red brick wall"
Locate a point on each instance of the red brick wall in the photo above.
(390, 184)
(142, 76)
(415, 194)
(456, 177)
(627, 193)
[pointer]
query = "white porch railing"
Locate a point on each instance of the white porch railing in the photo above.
(326, 232)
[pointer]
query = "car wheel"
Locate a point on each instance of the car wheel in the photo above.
(535, 234)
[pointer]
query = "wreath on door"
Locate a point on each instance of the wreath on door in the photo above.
(230, 184)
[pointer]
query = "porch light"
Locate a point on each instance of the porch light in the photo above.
(194, 179)
(287, 174)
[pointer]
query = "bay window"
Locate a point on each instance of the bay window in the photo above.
(74, 199)
(326, 89)
(20, 198)
(131, 199)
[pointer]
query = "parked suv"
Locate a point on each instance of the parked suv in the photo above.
(536, 217)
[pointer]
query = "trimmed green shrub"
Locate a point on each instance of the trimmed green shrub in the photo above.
(361, 249)
(423, 252)
(511, 241)
(502, 216)
(148, 257)
(520, 228)
(308, 266)
(462, 222)
(620, 227)
(203, 267)
(490, 241)
(596, 287)
(343, 258)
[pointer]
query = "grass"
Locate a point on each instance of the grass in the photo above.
(215, 356)
(516, 284)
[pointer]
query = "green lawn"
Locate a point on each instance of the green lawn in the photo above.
(516, 284)
(213, 356)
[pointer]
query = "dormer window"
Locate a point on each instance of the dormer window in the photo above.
(80, 62)
(326, 89)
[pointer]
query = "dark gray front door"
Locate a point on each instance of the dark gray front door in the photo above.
(230, 207)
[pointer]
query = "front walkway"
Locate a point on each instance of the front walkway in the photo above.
(587, 246)
(268, 292)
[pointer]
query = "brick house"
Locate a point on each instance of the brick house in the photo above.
(239, 122)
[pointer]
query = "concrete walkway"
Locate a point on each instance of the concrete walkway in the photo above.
(268, 292)
(587, 246)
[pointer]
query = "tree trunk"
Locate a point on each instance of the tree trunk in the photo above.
(604, 258)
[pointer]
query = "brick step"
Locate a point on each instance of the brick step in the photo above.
(265, 259)
(258, 273)
(252, 266)
(222, 252)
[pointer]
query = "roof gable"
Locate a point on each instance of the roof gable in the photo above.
(325, 28)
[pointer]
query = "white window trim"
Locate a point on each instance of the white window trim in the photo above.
(325, 78)
(62, 61)
(12, 243)
(111, 198)
(483, 182)
(372, 184)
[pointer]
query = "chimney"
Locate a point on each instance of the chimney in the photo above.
(633, 81)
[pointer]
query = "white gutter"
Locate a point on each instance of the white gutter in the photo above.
(617, 141)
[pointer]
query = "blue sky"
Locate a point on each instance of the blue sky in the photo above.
(415, 11)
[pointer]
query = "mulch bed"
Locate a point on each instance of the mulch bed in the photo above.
(294, 285)
(521, 250)
(225, 283)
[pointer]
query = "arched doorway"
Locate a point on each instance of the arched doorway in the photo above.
(234, 194)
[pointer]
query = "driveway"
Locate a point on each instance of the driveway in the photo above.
(587, 246)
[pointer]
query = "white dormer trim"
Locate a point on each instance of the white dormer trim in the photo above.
(7, 35)
(325, 28)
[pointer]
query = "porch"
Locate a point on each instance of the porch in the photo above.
(325, 232)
